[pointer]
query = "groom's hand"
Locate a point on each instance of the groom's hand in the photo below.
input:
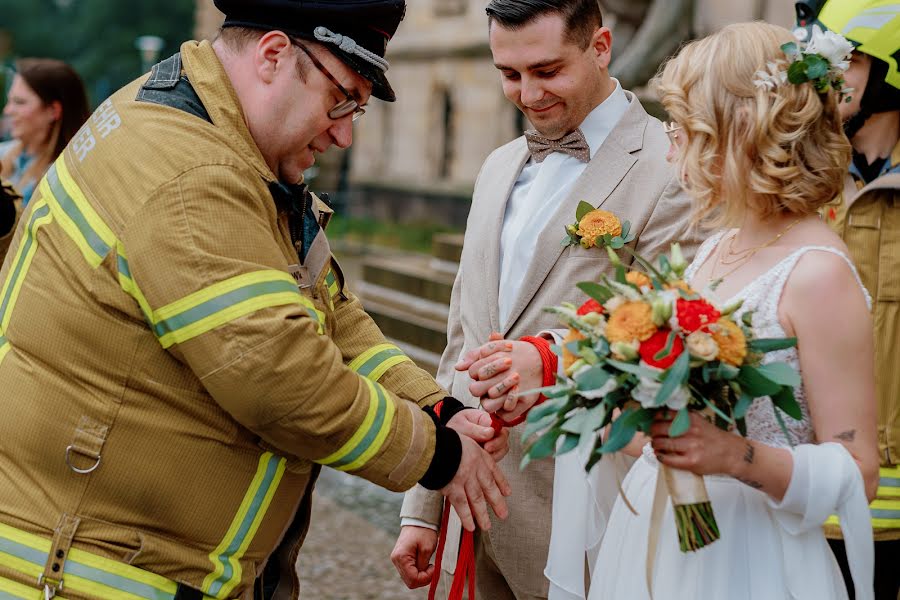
(478, 483)
(412, 555)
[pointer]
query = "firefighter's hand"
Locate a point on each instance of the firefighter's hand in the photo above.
(476, 424)
(412, 555)
(478, 483)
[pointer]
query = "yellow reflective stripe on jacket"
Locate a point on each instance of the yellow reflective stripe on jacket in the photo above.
(129, 286)
(885, 507)
(314, 313)
(221, 303)
(4, 347)
(331, 282)
(226, 557)
(77, 217)
(10, 589)
(83, 572)
(370, 436)
(9, 293)
(374, 362)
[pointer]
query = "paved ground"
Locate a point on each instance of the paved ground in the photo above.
(346, 555)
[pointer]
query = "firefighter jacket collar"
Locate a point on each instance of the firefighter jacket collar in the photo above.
(208, 77)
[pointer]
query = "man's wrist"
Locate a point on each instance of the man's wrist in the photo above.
(445, 460)
(445, 410)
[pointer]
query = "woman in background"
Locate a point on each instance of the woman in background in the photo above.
(46, 106)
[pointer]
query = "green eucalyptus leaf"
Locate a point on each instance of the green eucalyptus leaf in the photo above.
(680, 423)
(797, 72)
(532, 427)
(790, 48)
(770, 344)
(747, 318)
(632, 368)
(754, 384)
(616, 243)
(583, 209)
(568, 444)
(552, 405)
(743, 404)
(786, 401)
(780, 373)
(667, 349)
(545, 445)
(675, 376)
(816, 66)
(620, 433)
(626, 229)
(592, 379)
(598, 292)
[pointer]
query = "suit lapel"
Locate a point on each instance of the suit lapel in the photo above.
(600, 178)
(491, 206)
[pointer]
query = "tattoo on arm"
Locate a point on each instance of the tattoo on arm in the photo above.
(754, 484)
(748, 455)
(846, 436)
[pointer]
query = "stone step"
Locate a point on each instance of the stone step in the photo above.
(402, 324)
(447, 246)
(413, 274)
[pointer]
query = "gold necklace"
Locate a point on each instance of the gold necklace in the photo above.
(745, 255)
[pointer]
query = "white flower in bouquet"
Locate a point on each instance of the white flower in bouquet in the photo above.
(702, 345)
(646, 390)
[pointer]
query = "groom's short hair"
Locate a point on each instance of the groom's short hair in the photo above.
(582, 17)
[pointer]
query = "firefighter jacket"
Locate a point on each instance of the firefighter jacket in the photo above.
(868, 219)
(178, 356)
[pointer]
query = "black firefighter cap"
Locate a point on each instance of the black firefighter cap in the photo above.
(356, 31)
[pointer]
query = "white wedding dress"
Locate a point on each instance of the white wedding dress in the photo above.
(767, 550)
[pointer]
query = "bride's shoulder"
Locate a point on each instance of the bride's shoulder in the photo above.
(824, 279)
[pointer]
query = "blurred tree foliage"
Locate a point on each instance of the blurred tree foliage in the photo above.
(97, 37)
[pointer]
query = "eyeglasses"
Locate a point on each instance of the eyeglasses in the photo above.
(343, 108)
(671, 128)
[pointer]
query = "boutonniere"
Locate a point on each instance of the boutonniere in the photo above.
(597, 227)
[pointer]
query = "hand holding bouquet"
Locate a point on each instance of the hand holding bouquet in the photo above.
(646, 342)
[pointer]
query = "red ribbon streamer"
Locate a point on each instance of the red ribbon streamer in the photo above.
(465, 562)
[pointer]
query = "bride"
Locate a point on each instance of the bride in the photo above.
(765, 154)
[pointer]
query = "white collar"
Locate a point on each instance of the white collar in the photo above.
(601, 121)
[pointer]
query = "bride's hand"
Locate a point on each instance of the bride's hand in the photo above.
(703, 449)
(499, 392)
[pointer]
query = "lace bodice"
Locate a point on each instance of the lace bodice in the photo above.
(762, 296)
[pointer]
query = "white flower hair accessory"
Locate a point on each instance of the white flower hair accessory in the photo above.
(821, 61)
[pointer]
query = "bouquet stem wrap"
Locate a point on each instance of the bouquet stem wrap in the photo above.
(694, 517)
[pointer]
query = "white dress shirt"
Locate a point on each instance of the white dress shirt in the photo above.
(537, 194)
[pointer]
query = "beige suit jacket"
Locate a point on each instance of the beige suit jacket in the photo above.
(629, 176)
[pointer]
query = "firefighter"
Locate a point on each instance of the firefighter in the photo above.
(179, 351)
(868, 219)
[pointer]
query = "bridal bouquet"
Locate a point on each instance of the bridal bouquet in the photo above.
(645, 342)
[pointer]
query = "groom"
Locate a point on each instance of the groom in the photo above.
(553, 59)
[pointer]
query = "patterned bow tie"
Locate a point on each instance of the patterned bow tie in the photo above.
(573, 144)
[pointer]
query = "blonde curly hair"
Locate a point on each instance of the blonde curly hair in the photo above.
(748, 148)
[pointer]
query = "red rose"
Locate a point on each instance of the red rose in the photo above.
(650, 347)
(695, 314)
(591, 306)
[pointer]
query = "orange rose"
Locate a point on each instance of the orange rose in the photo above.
(637, 278)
